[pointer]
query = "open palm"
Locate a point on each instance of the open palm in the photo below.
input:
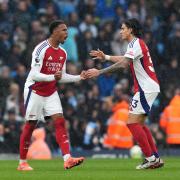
(97, 54)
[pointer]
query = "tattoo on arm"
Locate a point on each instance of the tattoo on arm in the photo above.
(114, 67)
(110, 69)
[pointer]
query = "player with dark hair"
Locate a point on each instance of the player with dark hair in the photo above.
(40, 93)
(146, 88)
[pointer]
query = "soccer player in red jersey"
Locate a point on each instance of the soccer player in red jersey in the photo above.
(40, 93)
(146, 88)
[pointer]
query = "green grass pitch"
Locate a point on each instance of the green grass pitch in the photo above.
(91, 169)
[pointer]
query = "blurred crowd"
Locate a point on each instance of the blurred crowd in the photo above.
(88, 105)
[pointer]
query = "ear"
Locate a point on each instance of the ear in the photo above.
(55, 30)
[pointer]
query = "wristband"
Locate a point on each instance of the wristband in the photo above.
(107, 57)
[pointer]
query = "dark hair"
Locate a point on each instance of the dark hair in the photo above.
(135, 26)
(54, 25)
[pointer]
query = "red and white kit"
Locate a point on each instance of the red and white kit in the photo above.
(40, 93)
(146, 85)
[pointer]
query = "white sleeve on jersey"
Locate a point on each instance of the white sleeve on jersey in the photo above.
(67, 78)
(40, 77)
(133, 51)
(36, 65)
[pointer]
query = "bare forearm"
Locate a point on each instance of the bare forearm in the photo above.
(114, 58)
(121, 63)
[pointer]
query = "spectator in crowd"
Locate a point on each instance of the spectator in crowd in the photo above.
(5, 81)
(20, 37)
(118, 135)
(39, 148)
(15, 55)
(76, 133)
(88, 6)
(105, 89)
(36, 27)
(66, 7)
(86, 43)
(6, 17)
(173, 42)
(13, 102)
(132, 11)
(5, 142)
(20, 76)
(88, 24)
(73, 19)
(5, 45)
(105, 9)
(117, 45)
(12, 129)
(51, 12)
(22, 16)
(170, 121)
(119, 16)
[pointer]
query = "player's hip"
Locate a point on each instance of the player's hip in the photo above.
(142, 102)
(37, 107)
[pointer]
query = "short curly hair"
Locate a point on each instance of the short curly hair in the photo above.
(55, 24)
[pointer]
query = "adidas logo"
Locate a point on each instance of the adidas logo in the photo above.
(50, 58)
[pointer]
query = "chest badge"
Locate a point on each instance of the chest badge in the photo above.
(60, 58)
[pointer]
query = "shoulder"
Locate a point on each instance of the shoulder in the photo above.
(42, 45)
(133, 43)
(63, 50)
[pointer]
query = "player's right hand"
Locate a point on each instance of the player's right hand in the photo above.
(97, 54)
(58, 75)
(83, 75)
(90, 73)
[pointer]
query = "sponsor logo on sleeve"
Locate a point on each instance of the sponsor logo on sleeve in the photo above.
(37, 60)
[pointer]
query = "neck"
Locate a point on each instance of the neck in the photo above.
(54, 43)
(131, 37)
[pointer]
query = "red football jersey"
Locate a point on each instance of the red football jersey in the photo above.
(49, 60)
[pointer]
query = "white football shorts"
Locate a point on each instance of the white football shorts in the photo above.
(37, 107)
(141, 102)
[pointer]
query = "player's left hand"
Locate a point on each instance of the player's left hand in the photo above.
(92, 73)
(58, 75)
(97, 54)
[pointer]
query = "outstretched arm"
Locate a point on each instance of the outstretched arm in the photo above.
(98, 54)
(123, 63)
(68, 78)
(120, 64)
